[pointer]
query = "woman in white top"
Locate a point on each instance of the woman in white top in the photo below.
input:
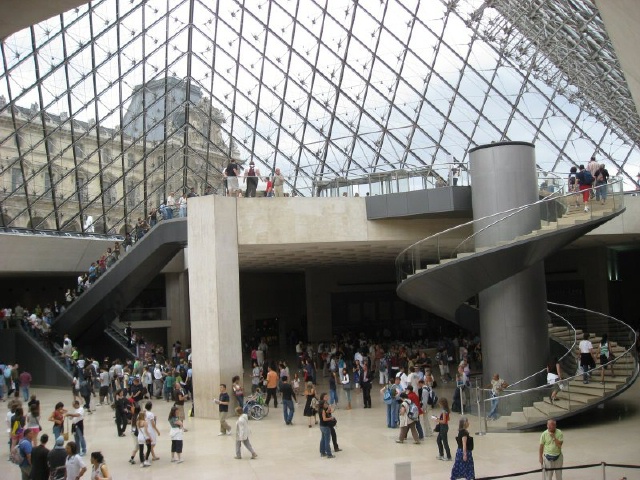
(152, 429)
(346, 386)
(75, 467)
(586, 357)
(143, 439)
(99, 469)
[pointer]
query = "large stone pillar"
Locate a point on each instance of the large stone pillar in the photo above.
(513, 313)
(214, 287)
(177, 293)
(319, 324)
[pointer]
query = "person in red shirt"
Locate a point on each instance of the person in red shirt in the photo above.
(413, 396)
(25, 383)
(269, 190)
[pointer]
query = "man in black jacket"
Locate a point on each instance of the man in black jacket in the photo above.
(136, 390)
(288, 396)
(121, 410)
(39, 465)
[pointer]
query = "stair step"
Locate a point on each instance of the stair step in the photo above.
(533, 414)
(578, 397)
(564, 221)
(465, 254)
(554, 408)
(595, 389)
(564, 405)
(516, 419)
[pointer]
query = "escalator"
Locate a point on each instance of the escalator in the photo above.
(91, 314)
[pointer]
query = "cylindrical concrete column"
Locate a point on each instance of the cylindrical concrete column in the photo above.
(513, 318)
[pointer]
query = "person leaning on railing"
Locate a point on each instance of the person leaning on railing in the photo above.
(497, 386)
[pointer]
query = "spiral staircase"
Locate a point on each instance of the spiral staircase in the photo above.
(441, 272)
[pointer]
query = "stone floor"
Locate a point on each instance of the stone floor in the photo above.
(609, 434)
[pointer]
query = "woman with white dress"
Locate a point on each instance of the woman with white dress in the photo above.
(152, 429)
(143, 439)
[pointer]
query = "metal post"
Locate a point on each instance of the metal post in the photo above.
(481, 415)
(604, 471)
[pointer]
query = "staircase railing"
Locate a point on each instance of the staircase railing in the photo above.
(574, 394)
(567, 347)
(506, 227)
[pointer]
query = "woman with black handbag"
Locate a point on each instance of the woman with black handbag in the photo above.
(463, 466)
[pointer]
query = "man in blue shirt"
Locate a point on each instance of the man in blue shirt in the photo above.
(223, 409)
(26, 448)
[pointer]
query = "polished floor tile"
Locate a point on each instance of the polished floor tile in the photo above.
(609, 434)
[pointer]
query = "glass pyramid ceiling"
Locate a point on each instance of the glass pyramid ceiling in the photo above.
(108, 108)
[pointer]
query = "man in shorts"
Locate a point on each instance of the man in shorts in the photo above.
(231, 173)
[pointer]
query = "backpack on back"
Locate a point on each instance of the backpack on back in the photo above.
(16, 454)
(388, 396)
(587, 177)
(383, 364)
(412, 412)
(432, 398)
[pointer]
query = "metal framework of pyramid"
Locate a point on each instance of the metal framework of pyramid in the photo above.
(106, 109)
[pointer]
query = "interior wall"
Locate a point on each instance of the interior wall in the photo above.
(579, 277)
(624, 287)
(16, 348)
(267, 296)
(32, 291)
(323, 283)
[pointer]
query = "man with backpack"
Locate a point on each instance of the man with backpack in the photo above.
(390, 397)
(383, 370)
(251, 176)
(415, 401)
(428, 398)
(409, 415)
(585, 181)
(21, 454)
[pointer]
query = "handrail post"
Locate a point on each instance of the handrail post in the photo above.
(604, 471)
(481, 415)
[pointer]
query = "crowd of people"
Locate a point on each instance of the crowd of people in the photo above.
(348, 367)
(589, 183)
(129, 387)
(353, 365)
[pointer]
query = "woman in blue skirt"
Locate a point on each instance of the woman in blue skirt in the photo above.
(463, 465)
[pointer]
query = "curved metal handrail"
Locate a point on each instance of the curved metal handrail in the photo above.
(496, 219)
(630, 351)
(518, 210)
(567, 353)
